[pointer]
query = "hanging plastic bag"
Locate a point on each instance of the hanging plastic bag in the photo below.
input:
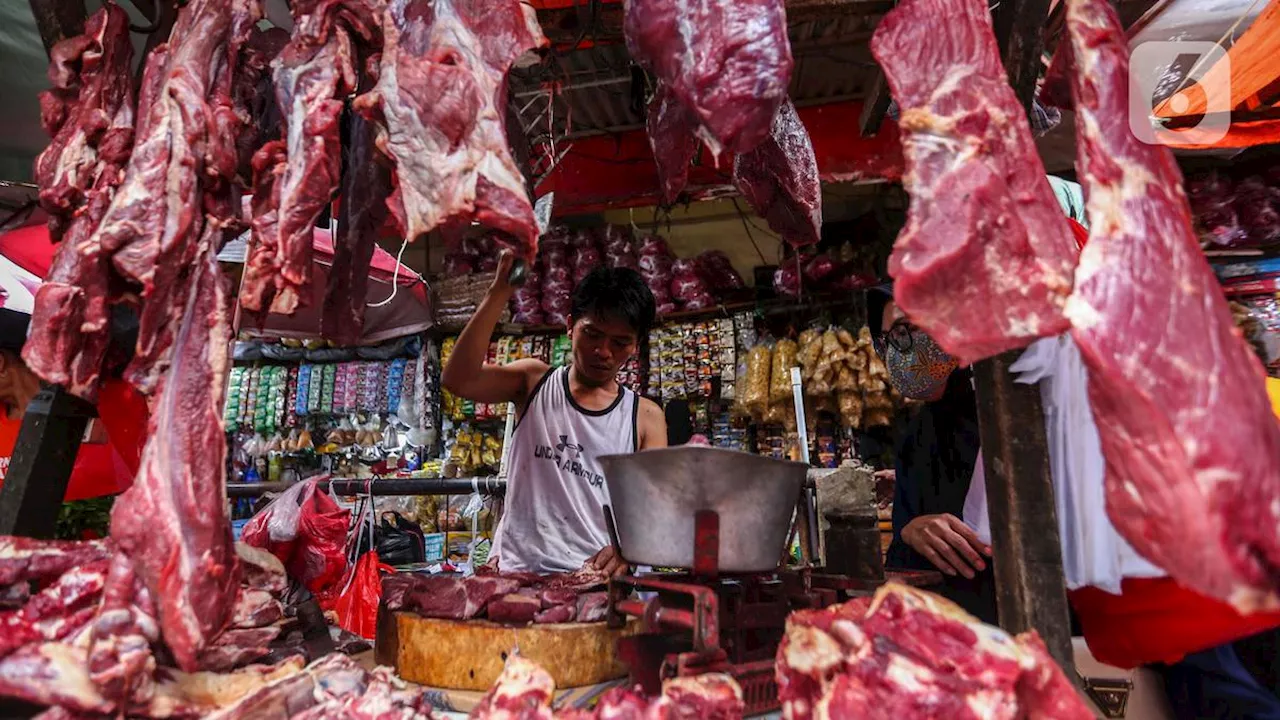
(275, 527)
(356, 603)
(319, 558)
(400, 540)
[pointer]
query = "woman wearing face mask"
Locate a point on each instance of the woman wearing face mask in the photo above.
(935, 454)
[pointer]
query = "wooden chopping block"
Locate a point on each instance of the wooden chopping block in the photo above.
(470, 654)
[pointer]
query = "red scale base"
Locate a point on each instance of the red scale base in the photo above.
(702, 621)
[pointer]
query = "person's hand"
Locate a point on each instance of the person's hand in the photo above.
(608, 562)
(948, 543)
(890, 474)
(502, 277)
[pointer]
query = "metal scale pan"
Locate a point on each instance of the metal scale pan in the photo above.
(656, 494)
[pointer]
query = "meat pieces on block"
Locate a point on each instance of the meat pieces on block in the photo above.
(984, 263)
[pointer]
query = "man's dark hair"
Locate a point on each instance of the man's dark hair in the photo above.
(616, 293)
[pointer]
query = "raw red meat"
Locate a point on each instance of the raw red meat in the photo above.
(558, 614)
(779, 178)
(440, 102)
(456, 598)
(514, 609)
(984, 263)
(671, 127)
(172, 522)
(315, 71)
(361, 217)
(157, 206)
(908, 654)
(183, 169)
(120, 662)
(1191, 444)
(522, 692)
(27, 559)
(592, 606)
(727, 61)
(89, 113)
(54, 612)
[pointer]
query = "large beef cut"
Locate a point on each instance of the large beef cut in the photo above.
(779, 178)
(671, 127)
(908, 654)
(440, 103)
(727, 61)
(361, 217)
(89, 113)
(172, 522)
(984, 263)
(1191, 445)
(183, 168)
(27, 559)
(313, 74)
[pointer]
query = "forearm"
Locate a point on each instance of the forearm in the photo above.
(472, 347)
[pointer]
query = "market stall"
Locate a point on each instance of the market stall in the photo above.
(309, 486)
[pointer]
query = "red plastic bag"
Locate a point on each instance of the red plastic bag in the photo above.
(357, 605)
(319, 558)
(307, 531)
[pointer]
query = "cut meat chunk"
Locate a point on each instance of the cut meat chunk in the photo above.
(51, 614)
(361, 217)
(523, 692)
(440, 101)
(172, 522)
(255, 609)
(912, 654)
(779, 178)
(984, 263)
(1191, 445)
(120, 662)
(40, 560)
(456, 598)
(90, 113)
(592, 607)
(713, 696)
(260, 570)
(558, 614)
(728, 61)
(514, 609)
(237, 647)
(312, 75)
(671, 127)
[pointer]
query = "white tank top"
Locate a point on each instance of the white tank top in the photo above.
(553, 520)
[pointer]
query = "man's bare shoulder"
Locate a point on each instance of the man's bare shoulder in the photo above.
(652, 425)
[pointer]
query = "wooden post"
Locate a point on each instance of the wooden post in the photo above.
(1030, 586)
(43, 457)
(58, 20)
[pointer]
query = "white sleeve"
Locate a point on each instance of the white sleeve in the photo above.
(975, 504)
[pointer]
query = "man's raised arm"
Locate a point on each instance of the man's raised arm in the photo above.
(466, 374)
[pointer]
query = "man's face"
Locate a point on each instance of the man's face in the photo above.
(600, 347)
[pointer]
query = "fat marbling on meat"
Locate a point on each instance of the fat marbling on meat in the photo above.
(1191, 445)
(985, 260)
(440, 103)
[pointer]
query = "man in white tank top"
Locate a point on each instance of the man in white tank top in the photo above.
(568, 418)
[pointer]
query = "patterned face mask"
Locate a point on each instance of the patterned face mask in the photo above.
(918, 367)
